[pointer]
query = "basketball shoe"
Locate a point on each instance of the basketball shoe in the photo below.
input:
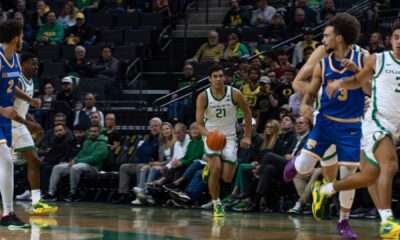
(13, 222)
(219, 210)
(319, 201)
(390, 229)
(42, 208)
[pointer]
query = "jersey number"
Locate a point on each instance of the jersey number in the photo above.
(343, 93)
(221, 112)
(10, 86)
(397, 89)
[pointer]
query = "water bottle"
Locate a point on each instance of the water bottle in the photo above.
(282, 207)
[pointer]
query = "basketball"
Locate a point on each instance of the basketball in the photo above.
(216, 140)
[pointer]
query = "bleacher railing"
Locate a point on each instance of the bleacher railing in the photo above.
(357, 10)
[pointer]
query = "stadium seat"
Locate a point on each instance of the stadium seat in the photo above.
(93, 52)
(67, 52)
(103, 20)
(201, 68)
(252, 34)
(48, 53)
(54, 68)
(108, 35)
(127, 20)
(95, 85)
(127, 52)
(138, 36)
(224, 33)
(153, 20)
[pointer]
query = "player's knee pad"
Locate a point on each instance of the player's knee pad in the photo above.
(305, 163)
(346, 198)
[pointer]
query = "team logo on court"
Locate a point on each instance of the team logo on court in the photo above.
(311, 144)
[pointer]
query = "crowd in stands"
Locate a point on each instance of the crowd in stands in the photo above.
(164, 167)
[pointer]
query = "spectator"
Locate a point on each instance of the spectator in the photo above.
(78, 140)
(89, 159)
(158, 5)
(60, 152)
(294, 103)
(95, 120)
(266, 103)
(228, 77)
(249, 4)
(50, 33)
(179, 111)
(49, 137)
(79, 66)
(261, 17)
(211, 51)
(182, 141)
(21, 8)
(307, 51)
(276, 30)
(81, 33)
(67, 15)
(113, 135)
(68, 93)
(261, 145)
(375, 43)
(152, 171)
(106, 66)
(297, 26)
(309, 14)
(242, 77)
(27, 28)
(270, 167)
(283, 61)
(87, 7)
(237, 16)
(48, 96)
(140, 6)
(284, 110)
(176, 168)
(235, 49)
(284, 90)
(38, 17)
(251, 91)
(82, 116)
(273, 79)
(327, 11)
(301, 45)
(146, 152)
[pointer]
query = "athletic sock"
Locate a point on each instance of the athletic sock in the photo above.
(36, 195)
(344, 216)
(216, 201)
(385, 214)
(6, 179)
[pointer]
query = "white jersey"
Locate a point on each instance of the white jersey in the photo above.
(386, 91)
(221, 114)
(20, 105)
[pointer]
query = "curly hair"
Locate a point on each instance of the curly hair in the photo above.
(9, 30)
(347, 26)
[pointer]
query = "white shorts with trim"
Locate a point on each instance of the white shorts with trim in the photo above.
(22, 138)
(372, 132)
(228, 154)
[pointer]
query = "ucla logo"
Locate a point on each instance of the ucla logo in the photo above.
(311, 144)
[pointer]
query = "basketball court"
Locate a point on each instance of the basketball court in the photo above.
(105, 221)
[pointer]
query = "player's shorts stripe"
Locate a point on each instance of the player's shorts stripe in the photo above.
(311, 154)
(25, 148)
(372, 162)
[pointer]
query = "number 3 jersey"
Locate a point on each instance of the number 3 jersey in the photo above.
(10, 71)
(220, 114)
(347, 104)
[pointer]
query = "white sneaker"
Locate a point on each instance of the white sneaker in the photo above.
(24, 196)
(138, 190)
(136, 202)
(208, 205)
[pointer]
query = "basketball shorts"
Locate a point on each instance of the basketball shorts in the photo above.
(345, 136)
(372, 132)
(228, 154)
(5, 133)
(22, 138)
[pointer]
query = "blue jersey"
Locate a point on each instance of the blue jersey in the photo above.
(347, 104)
(9, 74)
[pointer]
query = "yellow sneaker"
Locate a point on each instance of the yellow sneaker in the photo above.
(390, 229)
(206, 173)
(42, 208)
(219, 210)
(319, 201)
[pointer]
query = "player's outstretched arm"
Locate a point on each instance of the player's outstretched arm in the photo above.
(301, 83)
(309, 96)
(242, 103)
(201, 104)
(361, 79)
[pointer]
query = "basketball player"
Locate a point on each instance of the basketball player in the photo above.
(11, 42)
(22, 139)
(216, 110)
(338, 120)
(381, 122)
